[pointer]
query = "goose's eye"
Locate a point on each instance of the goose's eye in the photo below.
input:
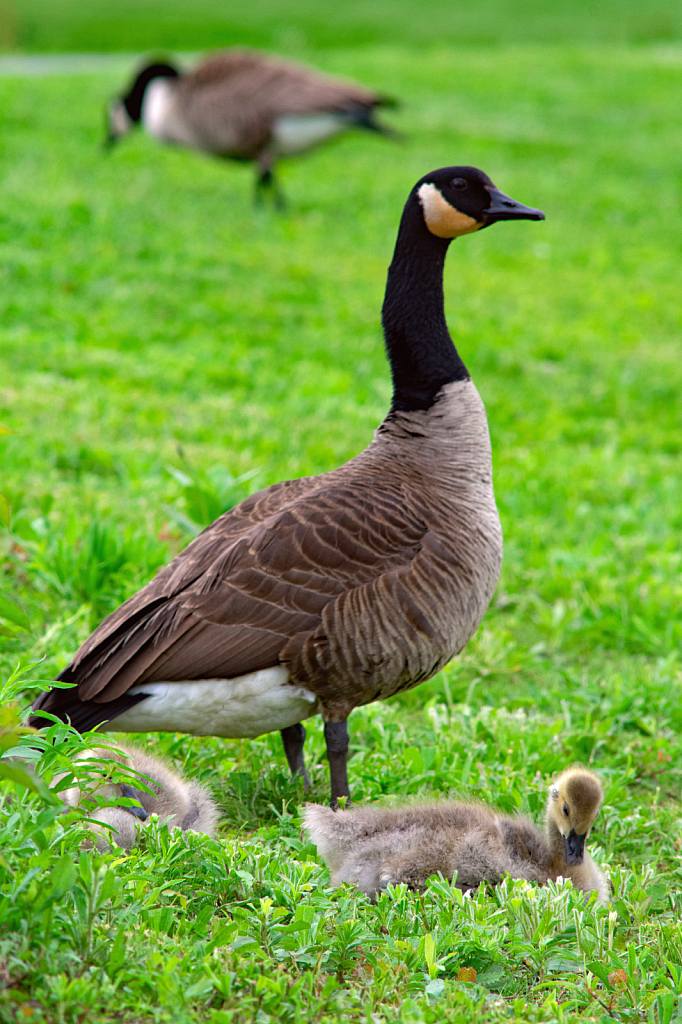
(565, 810)
(459, 184)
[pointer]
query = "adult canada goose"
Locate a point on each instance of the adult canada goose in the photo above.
(322, 594)
(373, 847)
(184, 805)
(245, 106)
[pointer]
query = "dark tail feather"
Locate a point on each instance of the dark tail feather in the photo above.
(83, 714)
(390, 102)
(366, 119)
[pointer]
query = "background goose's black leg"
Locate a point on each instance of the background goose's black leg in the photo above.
(263, 183)
(266, 182)
(336, 736)
(293, 738)
(277, 194)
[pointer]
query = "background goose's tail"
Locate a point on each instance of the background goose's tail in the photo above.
(366, 118)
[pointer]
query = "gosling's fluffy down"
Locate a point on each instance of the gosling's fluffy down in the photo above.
(375, 847)
(183, 804)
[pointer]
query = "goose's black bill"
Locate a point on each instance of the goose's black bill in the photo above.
(503, 207)
(575, 847)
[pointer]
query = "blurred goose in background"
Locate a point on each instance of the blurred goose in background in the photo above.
(184, 805)
(322, 594)
(375, 847)
(245, 106)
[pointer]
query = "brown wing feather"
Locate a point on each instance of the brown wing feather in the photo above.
(258, 577)
(189, 566)
(286, 86)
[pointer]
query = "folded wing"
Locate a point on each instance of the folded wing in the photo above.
(260, 576)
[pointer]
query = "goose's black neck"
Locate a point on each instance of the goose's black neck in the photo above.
(134, 98)
(421, 352)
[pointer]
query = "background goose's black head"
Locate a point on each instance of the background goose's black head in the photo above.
(458, 200)
(125, 112)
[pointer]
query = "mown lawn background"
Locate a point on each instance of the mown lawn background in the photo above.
(159, 337)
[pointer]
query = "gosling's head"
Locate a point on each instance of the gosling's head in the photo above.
(458, 200)
(573, 804)
(125, 112)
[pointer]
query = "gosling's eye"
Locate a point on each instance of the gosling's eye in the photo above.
(565, 810)
(459, 184)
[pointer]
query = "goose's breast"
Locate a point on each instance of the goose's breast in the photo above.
(160, 117)
(246, 706)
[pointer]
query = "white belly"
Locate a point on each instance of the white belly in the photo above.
(245, 706)
(292, 133)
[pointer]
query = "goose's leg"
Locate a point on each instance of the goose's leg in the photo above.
(266, 181)
(336, 737)
(262, 182)
(293, 738)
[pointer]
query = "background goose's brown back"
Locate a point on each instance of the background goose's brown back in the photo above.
(233, 99)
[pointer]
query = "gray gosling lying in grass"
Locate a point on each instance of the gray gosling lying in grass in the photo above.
(183, 804)
(375, 847)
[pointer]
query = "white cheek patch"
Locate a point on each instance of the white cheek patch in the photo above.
(155, 107)
(442, 219)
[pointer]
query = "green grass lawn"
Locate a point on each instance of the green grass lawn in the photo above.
(152, 323)
(72, 25)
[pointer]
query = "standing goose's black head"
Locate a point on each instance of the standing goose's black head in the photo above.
(125, 111)
(444, 204)
(458, 200)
